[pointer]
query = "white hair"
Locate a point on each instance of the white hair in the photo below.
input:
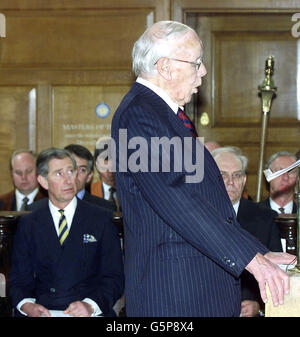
(235, 151)
(156, 42)
(279, 154)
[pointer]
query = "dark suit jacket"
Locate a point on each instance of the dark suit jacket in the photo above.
(55, 275)
(266, 203)
(184, 248)
(260, 223)
(99, 201)
(8, 200)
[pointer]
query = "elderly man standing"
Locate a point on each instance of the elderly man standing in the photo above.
(256, 220)
(24, 177)
(66, 254)
(184, 248)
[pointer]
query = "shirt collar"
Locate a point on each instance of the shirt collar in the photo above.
(80, 194)
(236, 207)
(288, 208)
(69, 209)
(30, 196)
(160, 92)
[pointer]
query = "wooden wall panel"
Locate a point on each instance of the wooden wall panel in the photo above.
(75, 54)
(75, 117)
(238, 36)
(239, 68)
(17, 111)
(77, 39)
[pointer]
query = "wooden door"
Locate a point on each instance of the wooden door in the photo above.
(237, 43)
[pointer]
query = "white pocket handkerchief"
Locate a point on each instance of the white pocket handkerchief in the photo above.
(89, 238)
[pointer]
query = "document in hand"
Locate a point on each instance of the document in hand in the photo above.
(270, 175)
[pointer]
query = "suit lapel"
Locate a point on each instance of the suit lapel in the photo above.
(294, 207)
(212, 172)
(46, 234)
(74, 242)
(247, 217)
(13, 203)
(74, 236)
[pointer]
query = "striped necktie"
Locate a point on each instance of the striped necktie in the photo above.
(281, 209)
(24, 204)
(63, 230)
(187, 122)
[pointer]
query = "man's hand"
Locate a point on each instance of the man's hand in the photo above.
(34, 310)
(249, 308)
(264, 268)
(79, 309)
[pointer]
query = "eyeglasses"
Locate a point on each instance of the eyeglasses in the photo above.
(235, 176)
(197, 64)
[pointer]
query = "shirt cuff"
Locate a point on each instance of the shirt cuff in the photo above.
(31, 300)
(97, 310)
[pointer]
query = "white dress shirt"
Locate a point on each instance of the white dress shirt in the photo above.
(106, 192)
(174, 106)
(20, 197)
(236, 207)
(288, 208)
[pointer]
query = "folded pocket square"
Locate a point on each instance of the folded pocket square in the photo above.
(89, 238)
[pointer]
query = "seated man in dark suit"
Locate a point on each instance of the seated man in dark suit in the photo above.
(26, 187)
(85, 165)
(66, 253)
(253, 218)
(282, 188)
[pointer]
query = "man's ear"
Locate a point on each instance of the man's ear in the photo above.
(43, 181)
(90, 177)
(163, 67)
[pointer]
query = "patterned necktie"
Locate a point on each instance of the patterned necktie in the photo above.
(63, 230)
(281, 209)
(24, 204)
(187, 122)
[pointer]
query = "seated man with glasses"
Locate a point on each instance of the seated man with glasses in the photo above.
(282, 188)
(255, 219)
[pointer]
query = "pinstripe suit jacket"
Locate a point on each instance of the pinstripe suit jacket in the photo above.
(184, 250)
